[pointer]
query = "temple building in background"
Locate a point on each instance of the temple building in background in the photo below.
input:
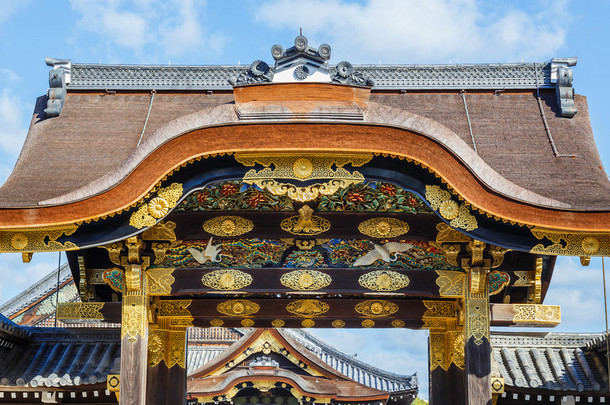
(302, 194)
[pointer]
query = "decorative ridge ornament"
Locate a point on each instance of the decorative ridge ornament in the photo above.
(305, 223)
(301, 168)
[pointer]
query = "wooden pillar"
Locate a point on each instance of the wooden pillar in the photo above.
(134, 337)
(166, 364)
(447, 364)
(477, 350)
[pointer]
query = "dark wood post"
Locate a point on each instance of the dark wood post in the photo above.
(477, 350)
(134, 337)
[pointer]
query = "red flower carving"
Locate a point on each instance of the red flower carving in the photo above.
(389, 189)
(228, 189)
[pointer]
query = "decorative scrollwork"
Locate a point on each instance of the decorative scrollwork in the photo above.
(477, 317)
(226, 280)
(157, 344)
(451, 284)
(36, 241)
(497, 280)
(115, 278)
(247, 323)
(398, 323)
(134, 317)
(458, 215)
(383, 280)
(537, 315)
(376, 308)
(383, 227)
(338, 323)
(297, 168)
(305, 280)
(79, 310)
(160, 281)
(367, 323)
(175, 308)
(344, 73)
(307, 308)
(305, 223)
(229, 225)
(571, 244)
(278, 323)
(238, 308)
(147, 214)
(440, 309)
(217, 323)
(308, 323)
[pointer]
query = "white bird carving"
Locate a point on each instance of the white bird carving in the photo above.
(384, 253)
(210, 254)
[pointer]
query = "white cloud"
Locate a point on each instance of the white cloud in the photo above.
(16, 276)
(12, 130)
(149, 28)
(10, 7)
(412, 31)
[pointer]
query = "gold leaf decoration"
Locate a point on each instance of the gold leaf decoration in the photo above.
(383, 227)
(376, 308)
(134, 316)
(305, 280)
(537, 315)
(338, 323)
(305, 223)
(307, 308)
(226, 279)
(571, 244)
(40, 240)
(383, 280)
(367, 323)
(452, 284)
(397, 323)
(328, 168)
(157, 342)
(147, 214)
(308, 323)
(79, 310)
(277, 323)
(458, 215)
(228, 225)
(247, 323)
(217, 322)
(160, 281)
(238, 308)
(175, 308)
(158, 207)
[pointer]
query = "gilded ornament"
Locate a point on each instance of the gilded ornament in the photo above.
(305, 223)
(537, 315)
(133, 278)
(367, 323)
(383, 280)
(226, 279)
(397, 323)
(376, 308)
(525, 278)
(114, 252)
(459, 215)
(302, 168)
(247, 323)
(39, 240)
(176, 355)
(305, 244)
(228, 226)
(297, 168)
(158, 207)
(449, 209)
(308, 323)
(305, 280)
(383, 227)
(175, 308)
(590, 245)
(160, 281)
(19, 241)
(451, 284)
(440, 309)
(338, 323)
(115, 278)
(162, 231)
(496, 281)
(238, 308)
(216, 322)
(277, 323)
(147, 214)
(477, 317)
(571, 244)
(79, 310)
(537, 293)
(134, 317)
(307, 308)
(157, 343)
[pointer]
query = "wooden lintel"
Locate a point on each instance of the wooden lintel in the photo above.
(534, 315)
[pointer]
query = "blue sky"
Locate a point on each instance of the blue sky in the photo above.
(373, 31)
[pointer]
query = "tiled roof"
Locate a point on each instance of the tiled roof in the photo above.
(553, 362)
(385, 77)
(353, 368)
